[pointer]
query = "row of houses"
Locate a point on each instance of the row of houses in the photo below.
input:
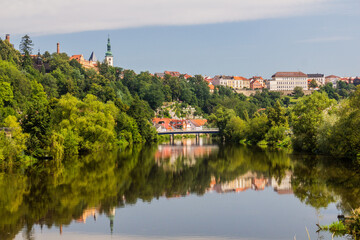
(172, 74)
(280, 81)
(236, 82)
(168, 124)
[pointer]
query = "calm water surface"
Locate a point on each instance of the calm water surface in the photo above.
(182, 191)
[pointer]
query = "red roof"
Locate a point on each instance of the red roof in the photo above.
(186, 76)
(198, 122)
(289, 74)
(332, 76)
(77, 57)
(172, 73)
(240, 78)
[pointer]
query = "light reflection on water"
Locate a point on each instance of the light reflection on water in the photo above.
(186, 191)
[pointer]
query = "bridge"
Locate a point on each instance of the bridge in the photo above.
(197, 132)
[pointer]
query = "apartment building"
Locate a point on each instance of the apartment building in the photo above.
(287, 81)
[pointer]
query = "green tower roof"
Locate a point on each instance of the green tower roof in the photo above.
(108, 53)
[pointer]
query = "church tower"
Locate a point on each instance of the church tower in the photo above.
(109, 59)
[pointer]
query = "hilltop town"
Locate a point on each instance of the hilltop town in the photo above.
(69, 91)
(172, 116)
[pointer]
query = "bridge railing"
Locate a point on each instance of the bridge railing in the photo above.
(189, 130)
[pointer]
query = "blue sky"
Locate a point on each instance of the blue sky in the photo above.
(260, 37)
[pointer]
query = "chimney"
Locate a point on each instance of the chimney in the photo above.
(7, 38)
(58, 48)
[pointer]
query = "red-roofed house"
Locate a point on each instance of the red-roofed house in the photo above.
(197, 124)
(332, 79)
(172, 73)
(212, 88)
(85, 63)
(255, 84)
(186, 76)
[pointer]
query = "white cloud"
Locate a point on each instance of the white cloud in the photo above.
(65, 16)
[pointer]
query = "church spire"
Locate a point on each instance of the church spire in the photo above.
(108, 53)
(109, 59)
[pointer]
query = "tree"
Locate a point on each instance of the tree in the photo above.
(258, 128)
(286, 101)
(313, 83)
(12, 147)
(235, 130)
(221, 119)
(276, 115)
(298, 92)
(328, 88)
(307, 116)
(345, 139)
(6, 93)
(275, 135)
(26, 45)
(37, 123)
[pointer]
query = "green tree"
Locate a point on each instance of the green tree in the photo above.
(6, 93)
(235, 130)
(277, 115)
(221, 119)
(37, 123)
(298, 92)
(344, 140)
(26, 45)
(328, 88)
(275, 135)
(306, 119)
(313, 83)
(13, 145)
(258, 128)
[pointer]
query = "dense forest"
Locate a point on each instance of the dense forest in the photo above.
(53, 108)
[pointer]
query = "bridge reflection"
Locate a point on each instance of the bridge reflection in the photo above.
(197, 132)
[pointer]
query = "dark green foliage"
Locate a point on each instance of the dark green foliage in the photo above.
(313, 83)
(36, 122)
(328, 88)
(265, 98)
(298, 92)
(26, 45)
(306, 119)
(8, 53)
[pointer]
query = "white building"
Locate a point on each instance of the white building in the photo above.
(318, 77)
(271, 85)
(231, 81)
(287, 81)
(332, 79)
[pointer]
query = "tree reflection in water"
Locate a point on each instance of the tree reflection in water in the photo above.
(54, 195)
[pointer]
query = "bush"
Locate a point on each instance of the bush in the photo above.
(275, 135)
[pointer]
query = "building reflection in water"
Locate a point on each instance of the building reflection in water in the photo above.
(87, 213)
(185, 150)
(94, 213)
(253, 181)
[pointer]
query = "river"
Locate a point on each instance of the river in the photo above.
(188, 190)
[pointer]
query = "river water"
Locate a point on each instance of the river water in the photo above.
(184, 191)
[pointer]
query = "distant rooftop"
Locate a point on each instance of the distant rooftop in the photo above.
(290, 74)
(315, 75)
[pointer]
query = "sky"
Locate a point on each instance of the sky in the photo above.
(208, 37)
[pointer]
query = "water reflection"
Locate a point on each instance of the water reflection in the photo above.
(95, 185)
(254, 182)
